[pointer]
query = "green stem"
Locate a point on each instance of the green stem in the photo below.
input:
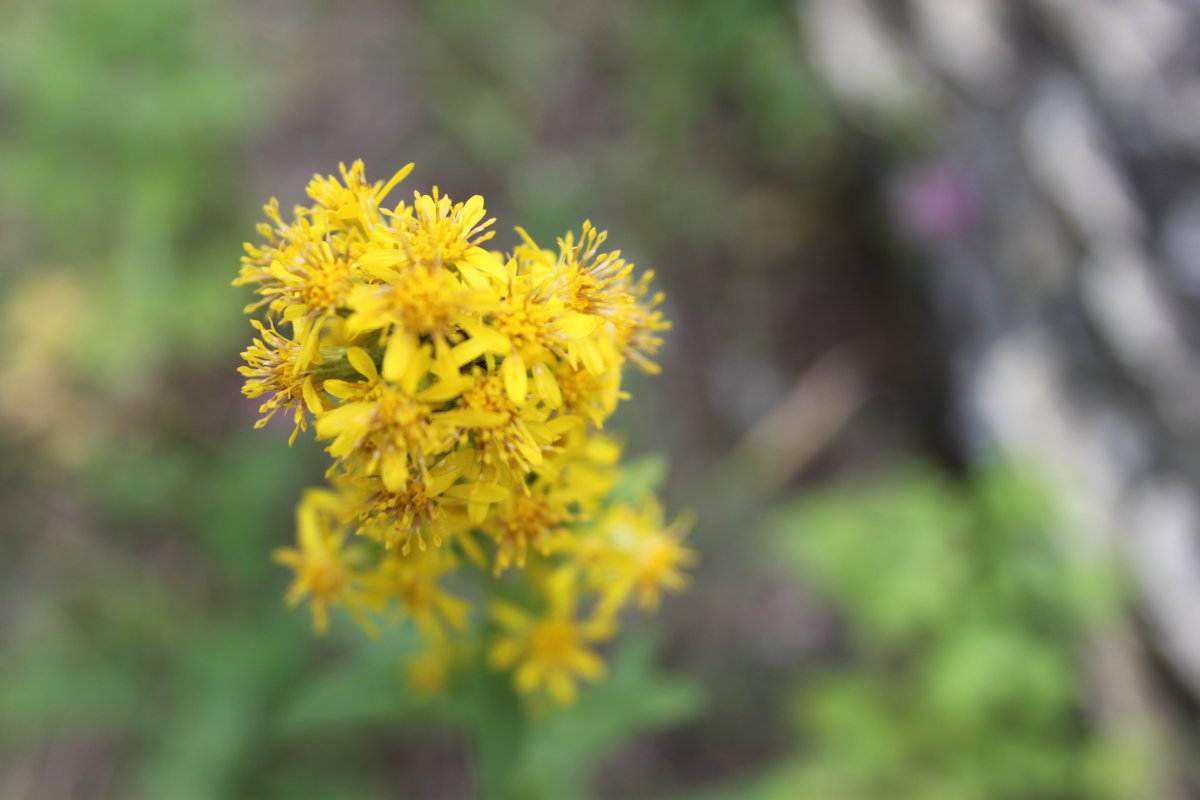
(499, 738)
(500, 729)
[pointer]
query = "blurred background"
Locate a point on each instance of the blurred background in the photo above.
(933, 388)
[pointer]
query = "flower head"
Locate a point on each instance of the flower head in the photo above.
(322, 572)
(552, 651)
(460, 392)
(272, 368)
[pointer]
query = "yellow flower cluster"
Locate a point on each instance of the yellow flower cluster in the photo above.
(461, 392)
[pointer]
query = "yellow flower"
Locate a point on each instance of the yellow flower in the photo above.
(305, 278)
(549, 652)
(352, 199)
(438, 232)
(379, 428)
(272, 368)
(640, 327)
(599, 286)
(461, 392)
(506, 434)
(527, 323)
(321, 571)
(413, 580)
(524, 521)
(591, 281)
(593, 397)
(421, 301)
(304, 270)
(420, 510)
(658, 560)
(567, 488)
(642, 556)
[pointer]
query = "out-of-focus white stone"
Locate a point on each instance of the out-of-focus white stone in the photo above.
(860, 57)
(1123, 45)
(1131, 313)
(1164, 524)
(1074, 164)
(967, 39)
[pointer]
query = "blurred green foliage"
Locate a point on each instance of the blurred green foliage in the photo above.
(573, 109)
(966, 618)
(119, 161)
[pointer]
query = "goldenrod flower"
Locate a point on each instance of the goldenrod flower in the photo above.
(508, 434)
(436, 231)
(552, 651)
(419, 510)
(527, 521)
(321, 572)
(653, 553)
(352, 200)
(272, 368)
(461, 391)
(423, 302)
(588, 395)
(414, 581)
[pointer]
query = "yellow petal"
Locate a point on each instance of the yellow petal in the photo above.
(381, 258)
(546, 386)
(577, 326)
(516, 382)
(418, 368)
(560, 425)
(400, 175)
(394, 470)
(490, 338)
(353, 418)
(343, 390)
(504, 653)
(362, 362)
(400, 350)
(467, 352)
(470, 418)
(508, 615)
(482, 492)
(477, 512)
(311, 398)
(525, 237)
(279, 272)
(486, 262)
(446, 389)
(528, 676)
(585, 663)
(589, 353)
(309, 340)
(483, 340)
(440, 482)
